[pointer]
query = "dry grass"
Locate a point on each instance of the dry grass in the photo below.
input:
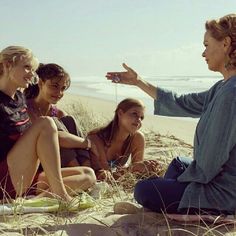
(89, 221)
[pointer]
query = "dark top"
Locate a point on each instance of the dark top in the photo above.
(14, 121)
(212, 173)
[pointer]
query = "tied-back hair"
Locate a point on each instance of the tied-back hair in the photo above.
(46, 72)
(108, 132)
(221, 28)
(14, 54)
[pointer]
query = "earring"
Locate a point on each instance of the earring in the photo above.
(226, 65)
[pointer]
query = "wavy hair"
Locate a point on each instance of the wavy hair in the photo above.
(221, 28)
(14, 54)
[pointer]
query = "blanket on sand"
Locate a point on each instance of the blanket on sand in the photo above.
(45, 204)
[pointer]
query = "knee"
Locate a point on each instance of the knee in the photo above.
(90, 175)
(47, 124)
(140, 192)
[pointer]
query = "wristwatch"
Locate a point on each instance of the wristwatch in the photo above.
(89, 145)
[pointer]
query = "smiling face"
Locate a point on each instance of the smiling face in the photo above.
(21, 73)
(214, 53)
(131, 120)
(52, 90)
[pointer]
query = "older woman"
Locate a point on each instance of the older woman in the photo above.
(208, 181)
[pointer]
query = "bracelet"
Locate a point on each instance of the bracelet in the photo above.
(89, 144)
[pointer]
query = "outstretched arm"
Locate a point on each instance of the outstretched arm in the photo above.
(132, 78)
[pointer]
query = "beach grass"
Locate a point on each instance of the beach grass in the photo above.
(100, 219)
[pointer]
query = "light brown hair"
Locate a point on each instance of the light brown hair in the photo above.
(107, 132)
(222, 28)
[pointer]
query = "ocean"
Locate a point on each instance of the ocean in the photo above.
(101, 88)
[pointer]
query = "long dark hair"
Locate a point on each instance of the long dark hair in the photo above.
(46, 72)
(107, 132)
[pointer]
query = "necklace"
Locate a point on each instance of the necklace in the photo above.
(38, 111)
(43, 113)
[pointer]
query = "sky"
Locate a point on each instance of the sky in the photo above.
(91, 37)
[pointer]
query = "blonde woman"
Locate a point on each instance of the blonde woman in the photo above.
(23, 146)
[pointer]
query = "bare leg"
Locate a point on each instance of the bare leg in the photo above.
(40, 142)
(74, 178)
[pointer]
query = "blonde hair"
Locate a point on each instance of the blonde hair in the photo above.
(222, 28)
(14, 54)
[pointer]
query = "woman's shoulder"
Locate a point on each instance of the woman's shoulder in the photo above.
(138, 138)
(59, 113)
(136, 142)
(227, 93)
(94, 137)
(139, 135)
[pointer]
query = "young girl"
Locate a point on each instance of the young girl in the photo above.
(121, 139)
(23, 146)
(42, 98)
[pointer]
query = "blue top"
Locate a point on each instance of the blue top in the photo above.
(212, 174)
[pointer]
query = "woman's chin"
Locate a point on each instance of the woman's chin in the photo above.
(133, 131)
(54, 101)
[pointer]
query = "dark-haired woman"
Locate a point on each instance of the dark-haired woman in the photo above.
(42, 98)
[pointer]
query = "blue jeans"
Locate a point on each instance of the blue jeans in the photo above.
(163, 194)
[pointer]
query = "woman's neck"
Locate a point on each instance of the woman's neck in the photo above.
(121, 135)
(7, 86)
(42, 106)
(229, 73)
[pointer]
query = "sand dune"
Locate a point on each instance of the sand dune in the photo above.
(165, 139)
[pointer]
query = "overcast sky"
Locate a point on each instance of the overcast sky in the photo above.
(91, 37)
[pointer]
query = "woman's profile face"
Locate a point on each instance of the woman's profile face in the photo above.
(21, 73)
(52, 90)
(214, 53)
(131, 120)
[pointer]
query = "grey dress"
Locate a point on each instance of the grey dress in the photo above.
(212, 173)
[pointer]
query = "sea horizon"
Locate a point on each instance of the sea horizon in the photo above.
(99, 87)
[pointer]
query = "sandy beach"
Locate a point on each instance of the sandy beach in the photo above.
(181, 128)
(165, 139)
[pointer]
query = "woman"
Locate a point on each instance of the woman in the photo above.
(208, 181)
(42, 98)
(119, 140)
(23, 146)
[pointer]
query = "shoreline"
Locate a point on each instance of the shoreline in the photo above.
(180, 128)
